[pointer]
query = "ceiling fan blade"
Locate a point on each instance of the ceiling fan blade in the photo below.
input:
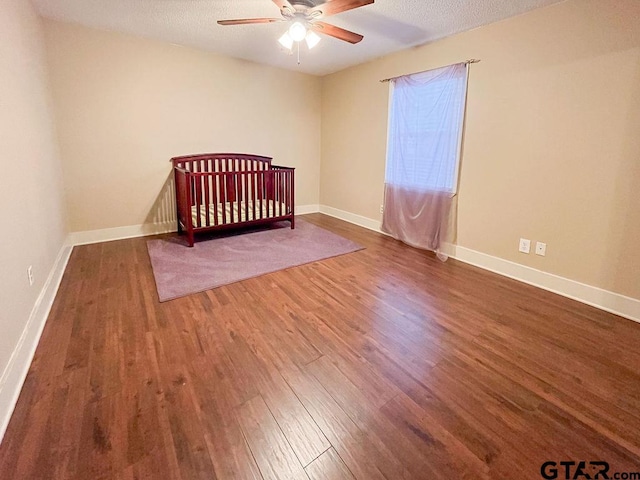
(337, 32)
(246, 21)
(282, 4)
(337, 6)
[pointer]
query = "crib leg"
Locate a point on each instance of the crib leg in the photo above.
(190, 238)
(293, 222)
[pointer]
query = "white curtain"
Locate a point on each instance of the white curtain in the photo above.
(423, 157)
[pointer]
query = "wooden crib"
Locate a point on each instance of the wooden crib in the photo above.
(215, 191)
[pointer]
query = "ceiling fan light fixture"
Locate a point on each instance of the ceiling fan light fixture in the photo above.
(286, 41)
(312, 39)
(297, 31)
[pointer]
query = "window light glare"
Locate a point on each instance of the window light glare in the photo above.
(297, 31)
(312, 39)
(286, 41)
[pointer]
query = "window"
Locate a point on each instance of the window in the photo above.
(425, 133)
(425, 129)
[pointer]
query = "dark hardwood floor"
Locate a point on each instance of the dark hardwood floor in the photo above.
(380, 364)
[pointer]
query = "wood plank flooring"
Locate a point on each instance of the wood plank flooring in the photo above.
(381, 364)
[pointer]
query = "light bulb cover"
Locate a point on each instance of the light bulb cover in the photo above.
(312, 39)
(297, 31)
(286, 41)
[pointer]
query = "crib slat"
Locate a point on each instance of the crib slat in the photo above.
(289, 199)
(230, 200)
(286, 190)
(289, 209)
(214, 199)
(252, 181)
(206, 180)
(198, 194)
(223, 197)
(257, 200)
(237, 177)
(274, 194)
(273, 191)
(238, 188)
(266, 194)
(241, 205)
(261, 191)
(280, 191)
(245, 181)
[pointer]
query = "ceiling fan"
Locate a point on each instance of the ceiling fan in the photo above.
(305, 16)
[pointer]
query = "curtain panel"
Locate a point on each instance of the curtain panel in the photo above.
(423, 156)
(420, 218)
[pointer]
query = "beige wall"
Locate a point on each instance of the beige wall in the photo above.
(552, 146)
(124, 105)
(31, 205)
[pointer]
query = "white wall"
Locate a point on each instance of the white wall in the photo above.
(31, 198)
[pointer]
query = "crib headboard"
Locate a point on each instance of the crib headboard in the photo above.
(222, 162)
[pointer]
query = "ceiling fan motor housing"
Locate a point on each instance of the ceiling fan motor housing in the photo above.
(301, 9)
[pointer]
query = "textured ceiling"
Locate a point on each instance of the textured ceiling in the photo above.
(388, 26)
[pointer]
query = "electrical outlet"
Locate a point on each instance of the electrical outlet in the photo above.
(30, 275)
(525, 245)
(541, 249)
(381, 208)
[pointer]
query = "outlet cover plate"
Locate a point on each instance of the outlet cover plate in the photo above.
(541, 249)
(525, 245)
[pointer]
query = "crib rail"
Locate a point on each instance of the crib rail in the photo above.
(210, 194)
(222, 162)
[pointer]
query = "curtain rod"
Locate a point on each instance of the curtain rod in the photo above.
(472, 60)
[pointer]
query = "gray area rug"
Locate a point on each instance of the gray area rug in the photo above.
(180, 271)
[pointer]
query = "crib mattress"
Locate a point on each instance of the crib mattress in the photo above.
(270, 209)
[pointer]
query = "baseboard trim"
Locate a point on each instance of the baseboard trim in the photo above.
(17, 368)
(608, 301)
(305, 209)
(359, 220)
(119, 233)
